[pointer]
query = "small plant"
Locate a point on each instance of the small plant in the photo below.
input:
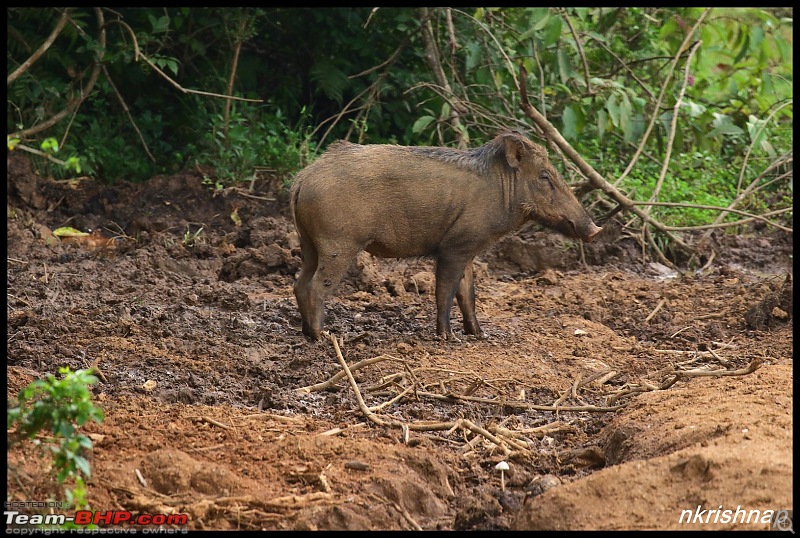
(48, 412)
(190, 238)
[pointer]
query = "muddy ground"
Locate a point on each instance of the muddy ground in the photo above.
(619, 392)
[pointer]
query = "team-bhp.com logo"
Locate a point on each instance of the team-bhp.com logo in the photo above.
(93, 517)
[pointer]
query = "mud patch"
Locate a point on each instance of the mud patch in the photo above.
(197, 336)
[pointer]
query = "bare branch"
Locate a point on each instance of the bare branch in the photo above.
(74, 103)
(580, 50)
(594, 177)
(62, 21)
(750, 216)
(128, 113)
(673, 126)
(661, 95)
(432, 56)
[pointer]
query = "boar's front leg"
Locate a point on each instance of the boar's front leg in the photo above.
(466, 302)
(449, 272)
(319, 275)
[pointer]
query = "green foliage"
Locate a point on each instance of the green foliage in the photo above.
(362, 73)
(255, 138)
(48, 412)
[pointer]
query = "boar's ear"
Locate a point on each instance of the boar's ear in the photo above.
(514, 150)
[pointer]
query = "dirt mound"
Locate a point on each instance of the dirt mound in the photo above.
(606, 383)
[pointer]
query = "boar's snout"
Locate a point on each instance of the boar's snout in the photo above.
(587, 232)
(591, 232)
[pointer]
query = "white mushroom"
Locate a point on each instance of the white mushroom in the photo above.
(502, 467)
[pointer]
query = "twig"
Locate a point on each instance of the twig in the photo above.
(24, 66)
(673, 126)
(215, 423)
(661, 95)
(74, 103)
(137, 53)
(627, 68)
(750, 149)
(339, 375)
(139, 476)
(246, 194)
(128, 113)
(487, 434)
(750, 216)
(361, 405)
(435, 64)
(580, 50)
(232, 77)
(594, 177)
(655, 310)
(35, 151)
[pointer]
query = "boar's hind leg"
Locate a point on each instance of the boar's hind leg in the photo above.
(466, 302)
(331, 267)
(301, 287)
(448, 277)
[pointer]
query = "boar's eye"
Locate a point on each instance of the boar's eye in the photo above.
(544, 176)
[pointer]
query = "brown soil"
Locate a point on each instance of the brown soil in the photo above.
(197, 337)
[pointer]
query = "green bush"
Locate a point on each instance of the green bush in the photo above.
(48, 412)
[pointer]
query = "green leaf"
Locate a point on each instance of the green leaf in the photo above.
(474, 55)
(421, 124)
(754, 125)
(695, 109)
(553, 31)
(602, 123)
(569, 129)
(613, 109)
(66, 231)
(49, 145)
(564, 66)
(542, 21)
(723, 125)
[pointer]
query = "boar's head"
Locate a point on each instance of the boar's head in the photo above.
(546, 198)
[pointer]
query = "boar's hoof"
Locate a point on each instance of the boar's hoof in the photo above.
(449, 335)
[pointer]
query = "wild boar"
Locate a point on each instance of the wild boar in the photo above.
(400, 201)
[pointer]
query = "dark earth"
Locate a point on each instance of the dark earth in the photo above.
(619, 392)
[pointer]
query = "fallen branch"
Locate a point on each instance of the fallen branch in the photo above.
(676, 375)
(339, 375)
(591, 174)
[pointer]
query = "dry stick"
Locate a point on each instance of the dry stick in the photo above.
(628, 69)
(580, 49)
(62, 21)
(451, 30)
(339, 375)
(655, 310)
(435, 64)
(742, 195)
(361, 405)
(517, 405)
(673, 127)
(750, 216)
(755, 137)
(128, 113)
(137, 53)
(210, 420)
(487, 434)
(593, 176)
(232, 78)
(74, 103)
(661, 95)
(35, 151)
(678, 374)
